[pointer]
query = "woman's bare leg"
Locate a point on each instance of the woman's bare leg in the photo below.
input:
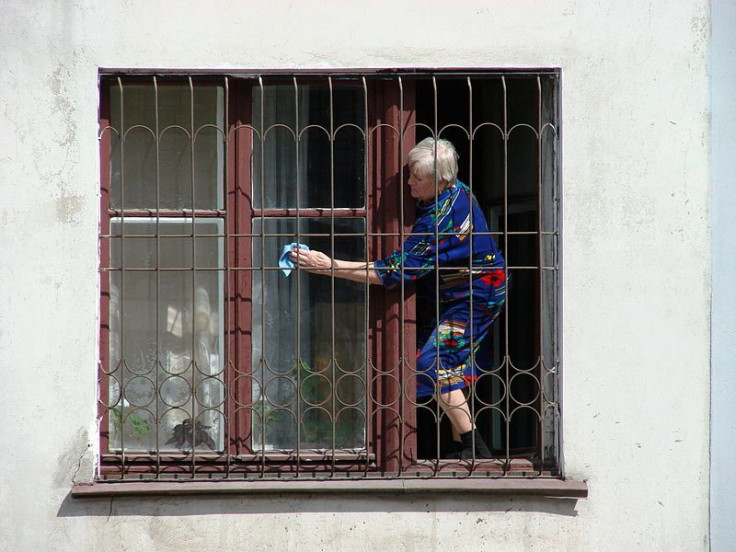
(455, 405)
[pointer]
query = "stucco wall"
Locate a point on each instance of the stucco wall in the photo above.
(723, 352)
(636, 266)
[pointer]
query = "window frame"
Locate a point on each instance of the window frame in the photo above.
(386, 456)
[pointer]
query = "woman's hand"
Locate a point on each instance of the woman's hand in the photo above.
(319, 263)
(311, 261)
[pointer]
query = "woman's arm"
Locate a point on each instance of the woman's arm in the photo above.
(319, 263)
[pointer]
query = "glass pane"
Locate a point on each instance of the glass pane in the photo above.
(166, 341)
(309, 340)
(290, 152)
(174, 163)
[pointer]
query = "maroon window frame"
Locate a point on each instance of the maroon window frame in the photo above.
(390, 413)
(391, 442)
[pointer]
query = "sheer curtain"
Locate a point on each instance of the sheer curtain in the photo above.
(166, 280)
(308, 332)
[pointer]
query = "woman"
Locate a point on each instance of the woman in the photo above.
(456, 309)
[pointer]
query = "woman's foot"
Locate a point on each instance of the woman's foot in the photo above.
(472, 441)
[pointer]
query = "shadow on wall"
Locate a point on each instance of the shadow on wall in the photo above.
(308, 503)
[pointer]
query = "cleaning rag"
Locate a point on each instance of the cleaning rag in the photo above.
(285, 261)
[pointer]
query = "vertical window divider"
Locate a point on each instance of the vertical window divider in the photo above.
(108, 303)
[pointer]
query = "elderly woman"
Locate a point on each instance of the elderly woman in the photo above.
(460, 282)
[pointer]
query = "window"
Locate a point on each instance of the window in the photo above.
(214, 363)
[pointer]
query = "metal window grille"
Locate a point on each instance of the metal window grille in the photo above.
(215, 364)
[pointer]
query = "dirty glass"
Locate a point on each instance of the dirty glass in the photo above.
(166, 384)
(309, 340)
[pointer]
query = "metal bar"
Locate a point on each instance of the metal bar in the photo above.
(356, 72)
(473, 368)
(540, 282)
(193, 361)
(438, 410)
(299, 360)
(123, 365)
(314, 234)
(158, 264)
(333, 357)
(402, 301)
(262, 179)
(507, 359)
(151, 213)
(367, 406)
(272, 268)
(226, 304)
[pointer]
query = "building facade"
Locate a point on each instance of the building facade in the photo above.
(641, 165)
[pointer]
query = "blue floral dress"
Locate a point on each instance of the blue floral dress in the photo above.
(437, 254)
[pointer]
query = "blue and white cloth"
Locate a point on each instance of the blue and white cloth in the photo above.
(285, 261)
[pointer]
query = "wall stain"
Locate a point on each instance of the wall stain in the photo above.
(63, 105)
(68, 207)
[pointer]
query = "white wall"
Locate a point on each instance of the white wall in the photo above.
(723, 161)
(636, 266)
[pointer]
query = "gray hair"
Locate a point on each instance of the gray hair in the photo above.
(422, 161)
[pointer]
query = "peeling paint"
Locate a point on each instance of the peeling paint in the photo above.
(63, 106)
(75, 465)
(68, 208)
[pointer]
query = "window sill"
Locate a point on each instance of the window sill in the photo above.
(540, 487)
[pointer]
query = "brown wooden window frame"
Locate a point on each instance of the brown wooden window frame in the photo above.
(391, 418)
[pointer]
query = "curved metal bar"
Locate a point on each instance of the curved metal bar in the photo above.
(523, 407)
(278, 126)
(384, 126)
(454, 125)
(415, 126)
(138, 127)
(551, 127)
(346, 126)
(328, 134)
(487, 125)
(238, 128)
(106, 128)
(521, 126)
(172, 128)
(536, 396)
(223, 134)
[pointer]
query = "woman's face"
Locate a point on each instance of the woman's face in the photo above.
(422, 187)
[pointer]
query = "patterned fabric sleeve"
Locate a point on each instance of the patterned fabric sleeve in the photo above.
(434, 240)
(441, 237)
(416, 257)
